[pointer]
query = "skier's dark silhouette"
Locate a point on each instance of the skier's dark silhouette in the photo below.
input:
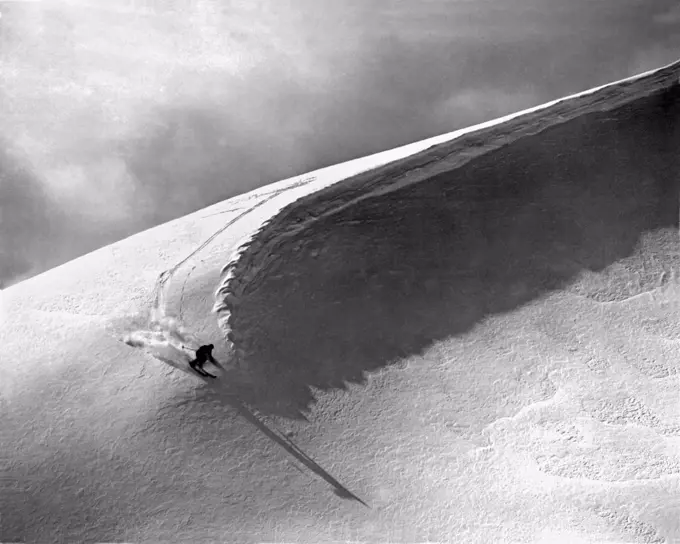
(203, 355)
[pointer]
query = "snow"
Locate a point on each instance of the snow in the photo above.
(552, 420)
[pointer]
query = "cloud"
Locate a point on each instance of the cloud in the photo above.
(472, 104)
(27, 218)
(669, 17)
(655, 56)
(130, 113)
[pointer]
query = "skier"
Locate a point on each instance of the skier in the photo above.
(203, 355)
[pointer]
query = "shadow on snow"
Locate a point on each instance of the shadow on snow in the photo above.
(388, 277)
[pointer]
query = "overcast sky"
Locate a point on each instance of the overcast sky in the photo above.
(117, 115)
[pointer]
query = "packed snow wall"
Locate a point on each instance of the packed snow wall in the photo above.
(378, 266)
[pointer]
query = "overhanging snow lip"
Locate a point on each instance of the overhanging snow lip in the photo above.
(410, 165)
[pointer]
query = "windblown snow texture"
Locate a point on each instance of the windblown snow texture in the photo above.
(267, 249)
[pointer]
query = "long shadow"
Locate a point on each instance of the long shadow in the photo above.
(226, 391)
(287, 444)
(386, 278)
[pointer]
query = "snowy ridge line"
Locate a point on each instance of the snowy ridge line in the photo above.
(248, 266)
(158, 316)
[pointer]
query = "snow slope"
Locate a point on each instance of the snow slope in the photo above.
(468, 339)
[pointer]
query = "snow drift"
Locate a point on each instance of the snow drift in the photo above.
(522, 275)
(528, 203)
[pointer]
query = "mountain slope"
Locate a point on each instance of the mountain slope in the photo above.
(475, 343)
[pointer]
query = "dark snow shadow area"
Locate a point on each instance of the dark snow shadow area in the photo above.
(386, 278)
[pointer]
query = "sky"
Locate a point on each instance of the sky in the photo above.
(118, 115)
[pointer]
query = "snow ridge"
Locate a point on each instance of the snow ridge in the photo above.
(248, 266)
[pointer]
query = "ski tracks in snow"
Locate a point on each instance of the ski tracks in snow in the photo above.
(165, 332)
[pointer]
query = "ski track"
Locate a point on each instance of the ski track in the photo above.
(544, 440)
